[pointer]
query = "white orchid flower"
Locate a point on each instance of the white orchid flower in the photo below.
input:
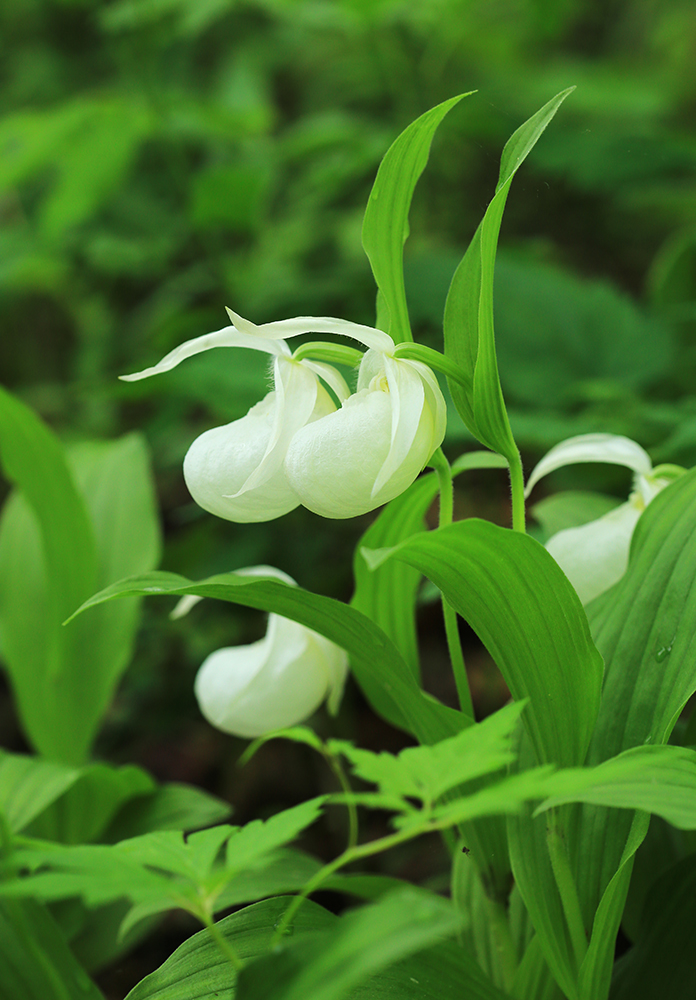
(295, 446)
(594, 556)
(368, 452)
(271, 684)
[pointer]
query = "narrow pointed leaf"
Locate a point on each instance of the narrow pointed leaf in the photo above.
(468, 328)
(385, 226)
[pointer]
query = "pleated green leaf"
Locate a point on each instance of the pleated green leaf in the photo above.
(380, 670)
(28, 786)
(387, 595)
(385, 226)
(35, 961)
(77, 521)
(347, 960)
(661, 964)
(519, 602)
(468, 326)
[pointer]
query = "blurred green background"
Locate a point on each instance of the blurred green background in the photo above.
(160, 159)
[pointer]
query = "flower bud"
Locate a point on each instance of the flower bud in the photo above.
(271, 684)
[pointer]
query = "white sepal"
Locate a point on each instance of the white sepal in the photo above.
(612, 448)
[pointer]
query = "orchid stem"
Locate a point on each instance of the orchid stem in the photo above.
(517, 487)
(444, 475)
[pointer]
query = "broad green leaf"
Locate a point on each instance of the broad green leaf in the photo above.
(28, 786)
(645, 628)
(76, 524)
(198, 969)
(387, 595)
(661, 964)
(427, 772)
(85, 810)
(360, 944)
(385, 226)
(468, 326)
(172, 806)
(516, 598)
(33, 459)
(35, 961)
(378, 667)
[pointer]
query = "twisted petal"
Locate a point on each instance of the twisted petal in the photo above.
(227, 337)
(594, 556)
(276, 682)
(285, 328)
(592, 448)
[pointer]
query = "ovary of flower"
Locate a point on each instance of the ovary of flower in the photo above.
(371, 449)
(594, 556)
(295, 446)
(274, 683)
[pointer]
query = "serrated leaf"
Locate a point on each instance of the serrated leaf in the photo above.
(427, 772)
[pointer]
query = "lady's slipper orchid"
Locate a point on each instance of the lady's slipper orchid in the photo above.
(295, 446)
(594, 556)
(368, 452)
(274, 683)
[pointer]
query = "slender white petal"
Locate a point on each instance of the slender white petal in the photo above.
(331, 376)
(611, 448)
(227, 337)
(594, 556)
(284, 328)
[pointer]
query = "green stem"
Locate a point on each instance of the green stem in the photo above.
(349, 855)
(441, 363)
(444, 475)
(560, 863)
(503, 943)
(517, 486)
(336, 354)
(350, 805)
(223, 944)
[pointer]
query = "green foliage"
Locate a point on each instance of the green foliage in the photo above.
(392, 690)
(468, 322)
(76, 520)
(529, 617)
